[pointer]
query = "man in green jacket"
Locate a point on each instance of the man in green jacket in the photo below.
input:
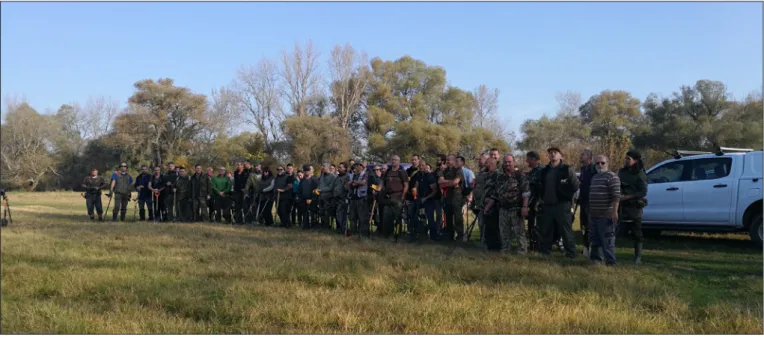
(221, 185)
(200, 192)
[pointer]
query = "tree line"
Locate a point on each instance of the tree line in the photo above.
(301, 110)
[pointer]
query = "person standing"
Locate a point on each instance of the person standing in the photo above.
(183, 191)
(492, 236)
(157, 187)
(478, 194)
(633, 198)
(144, 193)
(532, 158)
(200, 194)
(412, 207)
(373, 183)
(325, 196)
(395, 185)
(294, 214)
(588, 170)
(427, 187)
(452, 182)
(121, 187)
(604, 197)
(221, 185)
(559, 184)
(93, 185)
(170, 177)
(283, 186)
(267, 185)
(240, 177)
(211, 200)
(305, 197)
(341, 201)
(508, 193)
(359, 208)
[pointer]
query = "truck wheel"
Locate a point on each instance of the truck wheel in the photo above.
(755, 230)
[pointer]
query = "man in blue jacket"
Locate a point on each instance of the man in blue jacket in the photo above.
(144, 193)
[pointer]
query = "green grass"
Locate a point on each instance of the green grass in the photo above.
(64, 274)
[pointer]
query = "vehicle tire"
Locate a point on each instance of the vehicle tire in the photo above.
(755, 229)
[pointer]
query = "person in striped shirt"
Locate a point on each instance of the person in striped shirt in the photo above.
(604, 195)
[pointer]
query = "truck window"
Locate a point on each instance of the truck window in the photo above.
(711, 168)
(668, 173)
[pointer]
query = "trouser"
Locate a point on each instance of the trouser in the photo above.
(222, 208)
(326, 211)
(306, 214)
(266, 210)
(439, 214)
(492, 237)
(602, 237)
(558, 217)
(341, 215)
(169, 205)
(295, 214)
(185, 205)
(583, 221)
(391, 215)
(143, 202)
(412, 211)
(359, 217)
(160, 212)
(631, 218)
(93, 201)
(511, 230)
(284, 209)
(454, 217)
(200, 209)
(120, 205)
(429, 214)
(211, 207)
(533, 235)
(238, 207)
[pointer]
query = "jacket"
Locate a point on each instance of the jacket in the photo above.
(360, 191)
(325, 184)
(634, 184)
(240, 180)
(219, 184)
(200, 186)
(338, 186)
(267, 184)
(282, 182)
(566, 183)
(93, 185)
(170, 177)
(124, 184)
(183, 186)
(307, 185)
(143, 180)
(252, 186)
(587, 173)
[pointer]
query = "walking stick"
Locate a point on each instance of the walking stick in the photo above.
(154, 200)
(373, 207)
(278, 197)
(7, 212)
(472, 227)
(108, 204)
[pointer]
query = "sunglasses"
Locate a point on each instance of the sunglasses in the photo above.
(124, 166)
(280, 169)
(600, 163)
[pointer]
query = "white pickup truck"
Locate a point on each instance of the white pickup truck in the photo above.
(706, 192)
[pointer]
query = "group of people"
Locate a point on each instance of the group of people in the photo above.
(422, 200)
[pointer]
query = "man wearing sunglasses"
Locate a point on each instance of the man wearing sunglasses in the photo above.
(121, 187)
(604, 197)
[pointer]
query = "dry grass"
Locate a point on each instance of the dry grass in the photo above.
(62, 274)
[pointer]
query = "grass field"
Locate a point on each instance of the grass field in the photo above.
(64, 274)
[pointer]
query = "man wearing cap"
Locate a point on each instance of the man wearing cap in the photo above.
(121, 187)
(633, 198)
(558, 185)
(359, 209)
(144, 193)
(93, 185)
(200, 194)
(170, 177)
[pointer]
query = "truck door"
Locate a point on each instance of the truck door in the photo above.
(708, 195)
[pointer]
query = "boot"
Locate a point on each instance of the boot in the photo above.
(100, 217)
(92, 218)
(142, 214)
(638, 253)
(114, 217)
(122, 217)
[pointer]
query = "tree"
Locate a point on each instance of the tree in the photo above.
(486, 106)
(349, 75)
(566, 132)
(701, 117)
(300, 74)
(316, 140)
(162, 120)
(611, 115)
(258, 94)
(26, 134)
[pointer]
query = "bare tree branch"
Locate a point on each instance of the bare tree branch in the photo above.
(300, 73)
(350, 76)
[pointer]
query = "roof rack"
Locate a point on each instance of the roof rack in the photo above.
(722, 150)
(685, 153)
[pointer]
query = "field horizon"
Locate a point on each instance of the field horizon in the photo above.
(62, 273)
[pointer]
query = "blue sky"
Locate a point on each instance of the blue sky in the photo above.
(55, 53)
